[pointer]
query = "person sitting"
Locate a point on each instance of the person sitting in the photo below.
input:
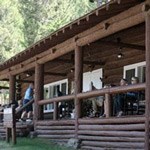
(104, 107)
(96, 102)
(62, 104)
(119, 100)
(29, 109)
(131, 97)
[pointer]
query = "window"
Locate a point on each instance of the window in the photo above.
(137, 70)
(50, 91)
(93, 76)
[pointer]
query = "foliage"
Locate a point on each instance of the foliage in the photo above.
(24, 22)
(44, 17)
(11, 35)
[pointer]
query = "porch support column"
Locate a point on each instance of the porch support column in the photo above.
(147, 110)
(12, 88)
(78, 84)
(39, 88)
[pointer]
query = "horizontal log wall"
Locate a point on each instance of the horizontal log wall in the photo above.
(2, 131)
(97, 134)
(115, 133)
(59, 131)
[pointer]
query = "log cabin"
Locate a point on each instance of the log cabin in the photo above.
(105, 45)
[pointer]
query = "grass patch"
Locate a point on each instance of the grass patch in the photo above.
(31, 144)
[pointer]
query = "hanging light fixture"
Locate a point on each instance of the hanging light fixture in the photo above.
(72, 70)
(120, 55)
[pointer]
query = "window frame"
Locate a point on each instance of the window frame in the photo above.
(133, 66)
(55, 84)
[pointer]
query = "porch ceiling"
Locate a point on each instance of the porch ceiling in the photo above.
(70, 30)
(100, 55)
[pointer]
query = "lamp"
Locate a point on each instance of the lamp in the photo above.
(72, 70)
(120, 55)
(28, 74)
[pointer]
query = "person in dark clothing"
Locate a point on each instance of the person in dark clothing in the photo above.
(62, 104)
(119, 100)
(133, 95)
(59, 93)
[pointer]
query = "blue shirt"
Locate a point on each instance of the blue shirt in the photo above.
(29, 93)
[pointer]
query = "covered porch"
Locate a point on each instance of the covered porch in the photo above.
(112, 39)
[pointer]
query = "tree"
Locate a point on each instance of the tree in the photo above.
(42, 17)
(23, 22)
(11, 36)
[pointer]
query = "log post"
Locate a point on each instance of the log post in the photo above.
(55, 114)
(78, 84)
(8, 134)
(147, 110)
(13, 129)
(39, 88)
(108, 105)
(12, 88)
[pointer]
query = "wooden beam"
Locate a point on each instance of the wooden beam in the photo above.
(124, 20)
(121, 44)
(48, 73)
(55, 122)
(22, 81)
(112, 90)
(84, 62)
(12, 88)
(56, 99)
(147, 110)
(55, 74)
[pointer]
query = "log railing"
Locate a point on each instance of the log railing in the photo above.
(102, 92)
(26, 105)
(57, 99)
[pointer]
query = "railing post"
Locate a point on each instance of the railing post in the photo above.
(12, 88)
(55, 114)
(39, 85)
(108, 105)
(147, 110)
(78, 84)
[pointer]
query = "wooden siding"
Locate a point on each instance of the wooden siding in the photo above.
(96, 134)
